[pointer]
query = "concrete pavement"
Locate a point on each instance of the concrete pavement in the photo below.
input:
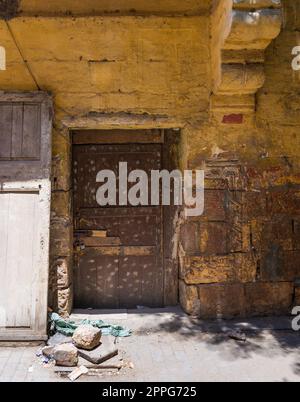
(169, 346)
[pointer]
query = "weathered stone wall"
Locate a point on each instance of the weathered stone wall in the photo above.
(155, 75)
(243, 256)
(160, 70)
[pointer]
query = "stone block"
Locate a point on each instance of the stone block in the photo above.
(87, 337)
(213, 238)
(268, 234)
(214, 205)
(189, 237)
(255, 205)
(61, 204)
(279, 265)
(222, 301)
(61, 162)
(189, 298)
(283, 202)
(264, 298)
(65, 301)
(62, 272)
(61, 237)
(219, 269)
(65, 355)
(239, 237)
(241, 79)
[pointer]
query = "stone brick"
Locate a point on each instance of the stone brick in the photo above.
(264, 298)
(65, 355)
(279, 265)
(62, 272)
(61, 162)
(277, 233)
(213, 238)
(222, 301)
(87, 337)
(239, 238)
(61, 237)
(189, 298)
(65, 301)
(266, 174)
(283, 202)
(214, 205)
(255, 205)
(219, 269)
(189, 237)
(61, 204)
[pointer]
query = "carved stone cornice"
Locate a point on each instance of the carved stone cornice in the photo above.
(248, 28)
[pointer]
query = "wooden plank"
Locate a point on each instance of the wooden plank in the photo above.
(100, 241)
(18, 270)
(108, 250)
(91, 233)
(117, 137)
(31, 132)
(139, 251)
(5, 131)
(22, 336)
(17, 131)
(4, 228)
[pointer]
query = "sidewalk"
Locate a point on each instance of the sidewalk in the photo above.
(168, 346)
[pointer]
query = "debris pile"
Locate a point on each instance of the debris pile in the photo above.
(80, 348)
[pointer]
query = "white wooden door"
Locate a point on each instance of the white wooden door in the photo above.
(25, 192)
(18, 258)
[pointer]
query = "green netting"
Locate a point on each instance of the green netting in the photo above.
(67, 327)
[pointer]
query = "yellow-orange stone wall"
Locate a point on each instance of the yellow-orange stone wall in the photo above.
(243, 256)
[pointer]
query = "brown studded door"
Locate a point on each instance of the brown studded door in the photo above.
(118, 249)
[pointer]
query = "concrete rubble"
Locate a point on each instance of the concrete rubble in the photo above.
(65, 355)
(82, 354)
(87, 337)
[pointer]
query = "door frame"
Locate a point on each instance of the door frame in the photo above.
(171, 141)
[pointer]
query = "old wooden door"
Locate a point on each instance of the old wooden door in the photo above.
(118, 253)
(25, 191)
